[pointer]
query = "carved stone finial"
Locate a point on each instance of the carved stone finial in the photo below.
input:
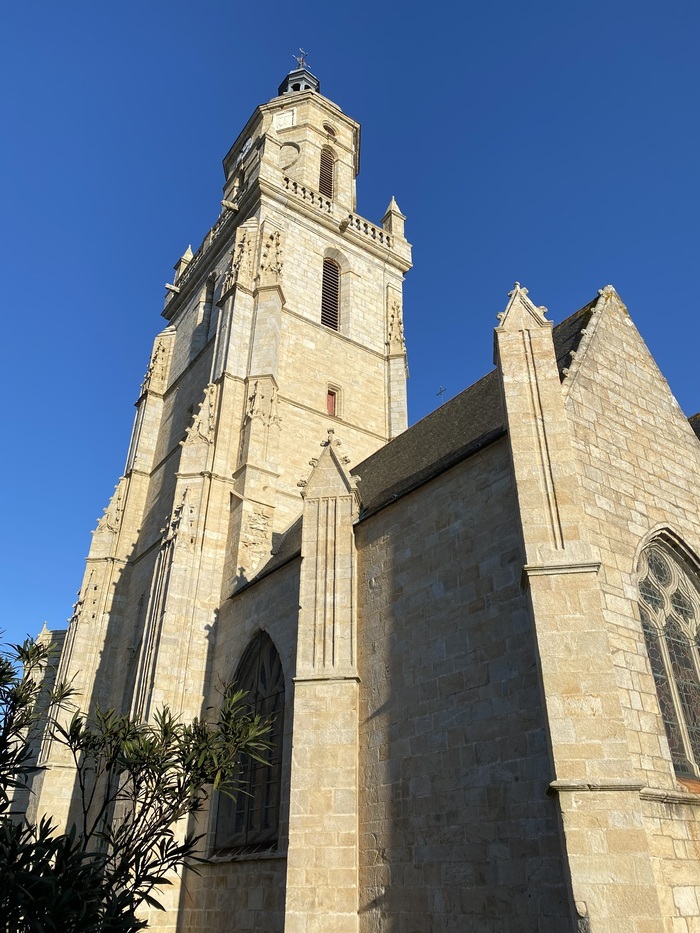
(302, 483)
(395, 337)
(517, 289)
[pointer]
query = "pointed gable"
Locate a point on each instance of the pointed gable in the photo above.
(521, 313)
(463, 425)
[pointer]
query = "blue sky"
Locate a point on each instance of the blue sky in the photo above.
(554, 143)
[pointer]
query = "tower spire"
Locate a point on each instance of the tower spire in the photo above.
(300, 79)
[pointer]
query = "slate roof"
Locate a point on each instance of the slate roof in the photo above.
(695, 424)
(462, 426)
(459, 428)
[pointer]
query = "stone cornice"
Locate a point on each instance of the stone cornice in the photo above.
(654, 794)
(611, 785)
(544, 570)
(671, 797)
(333, 678)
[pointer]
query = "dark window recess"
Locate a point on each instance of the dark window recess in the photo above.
(325, 179)
(330, 294)
(250, 821)
(331, 399)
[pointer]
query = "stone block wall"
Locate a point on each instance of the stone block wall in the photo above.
(246, 892)
(639, 465)
(456, 829)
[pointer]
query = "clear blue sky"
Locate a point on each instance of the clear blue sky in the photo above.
(554, 143)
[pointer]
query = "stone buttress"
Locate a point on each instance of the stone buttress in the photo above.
(322, 860)
(613, 886)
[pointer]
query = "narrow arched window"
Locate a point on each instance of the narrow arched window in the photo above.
(330, 294)
(325, 178)
(250, 821)
(669, 606)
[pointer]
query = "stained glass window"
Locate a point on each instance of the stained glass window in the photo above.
(670, 612)
(250, 821)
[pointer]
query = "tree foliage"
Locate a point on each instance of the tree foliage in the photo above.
(136, 785)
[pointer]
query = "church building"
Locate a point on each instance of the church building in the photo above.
(478, 636)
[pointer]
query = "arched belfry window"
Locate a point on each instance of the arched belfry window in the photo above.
(250, 821)
(669, 606)
(326, 173)
(330, 294)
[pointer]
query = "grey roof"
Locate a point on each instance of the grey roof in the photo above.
(460, 427)
(451, 433)
(454, 431)
(695, 423)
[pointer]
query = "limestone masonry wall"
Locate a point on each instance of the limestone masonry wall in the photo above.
(639, 465)
(247, 892)
(457, 832)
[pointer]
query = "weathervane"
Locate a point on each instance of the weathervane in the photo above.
(300, 59)
(441, 391)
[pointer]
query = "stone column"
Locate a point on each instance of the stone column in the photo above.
(322, 860)
(612, 879)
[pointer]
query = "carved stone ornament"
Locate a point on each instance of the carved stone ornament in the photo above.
(262, 404)
(202, 427)
(181, 524)
(155, 374)
(395, 341)
(256, 536)
(518, 298)
(112, 517)
(332, 440)
(271, 259)
(239, 266)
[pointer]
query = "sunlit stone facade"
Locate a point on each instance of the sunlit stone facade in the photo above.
(479, 729)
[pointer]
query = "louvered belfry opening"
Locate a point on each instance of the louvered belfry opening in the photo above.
(325, 179)
(330, 294)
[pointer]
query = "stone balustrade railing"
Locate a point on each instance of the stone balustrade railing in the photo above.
(369, 230)
(306, 194)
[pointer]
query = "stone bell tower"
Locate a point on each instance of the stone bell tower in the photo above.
(284, 323)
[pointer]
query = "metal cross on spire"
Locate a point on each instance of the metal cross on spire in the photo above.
(300, 59)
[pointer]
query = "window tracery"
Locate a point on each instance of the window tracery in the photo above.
(250, 821)
(669, 605)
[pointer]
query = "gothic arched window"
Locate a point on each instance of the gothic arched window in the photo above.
(326, 173)
(330, 294)
(250, 821)
(669, 606)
